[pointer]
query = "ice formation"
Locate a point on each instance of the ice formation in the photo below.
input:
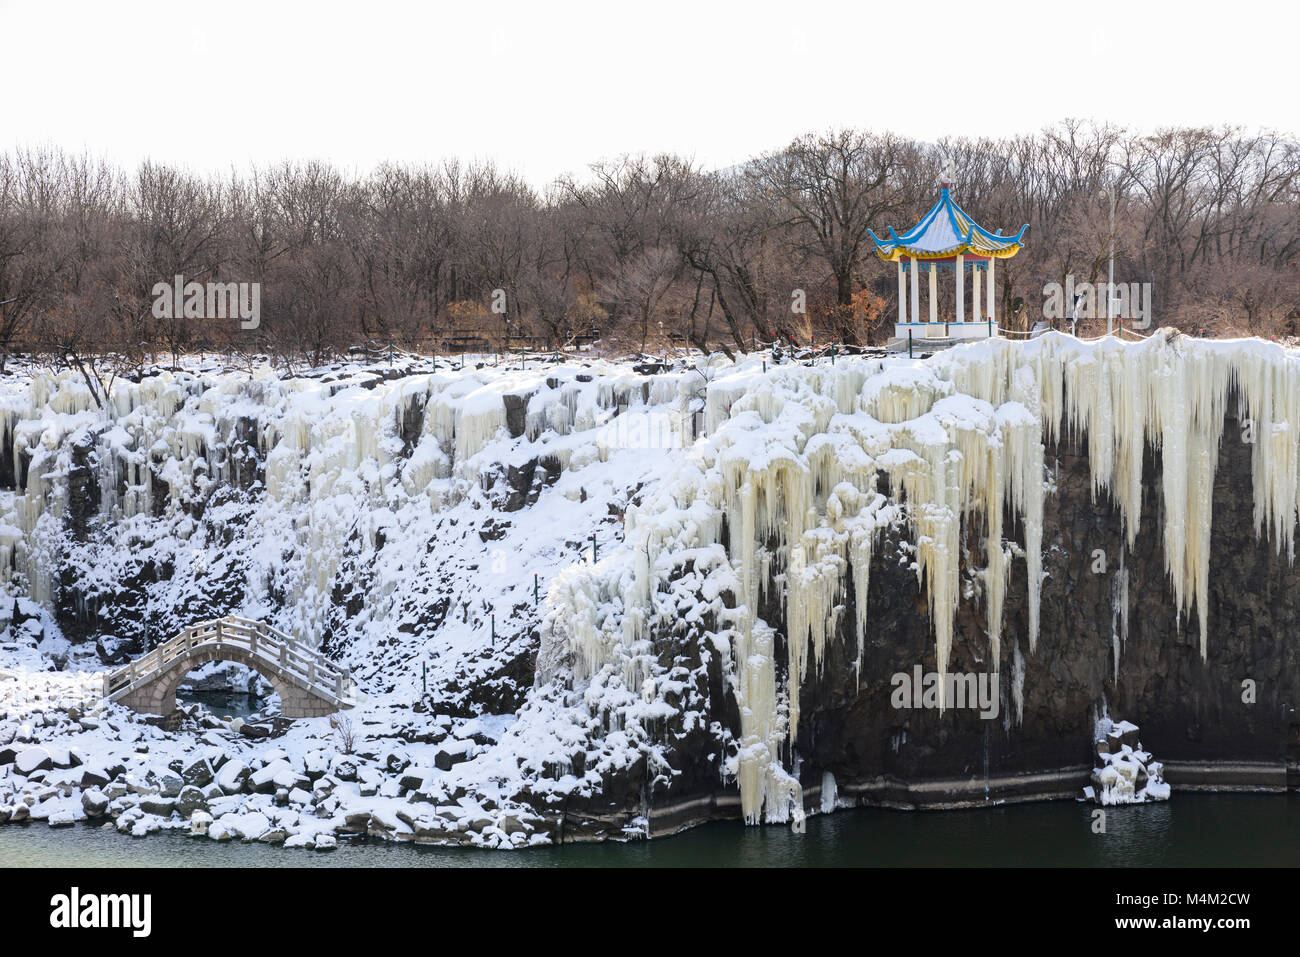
(804, 466)
(756, 498)
(1124, 773)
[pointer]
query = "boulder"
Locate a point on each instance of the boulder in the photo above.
(263, 780)
(1128, 734)
(190, 799)
(512, 824)
(60, 757)
(94, 803)
(445, 759)
(356, 822)
(221, 830)
(170, 785)
(92, 777)
(232, 776)
(397, 761)
(163, 807)
(251, 826)
(413, 777)
(31, 760)
(198, 773)
(315, 766)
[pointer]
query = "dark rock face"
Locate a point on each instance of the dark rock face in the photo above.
(516, 413)
(83, 484)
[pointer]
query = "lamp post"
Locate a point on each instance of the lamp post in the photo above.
(1110, 270)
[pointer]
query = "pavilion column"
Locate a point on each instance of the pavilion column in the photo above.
(934, 295)
(991, 316)
(902, 295)
(916, 292)
(975, 292)
(961, 288)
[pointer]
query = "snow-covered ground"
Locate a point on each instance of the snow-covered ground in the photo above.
(397, 518)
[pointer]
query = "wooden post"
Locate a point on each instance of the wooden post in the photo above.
(934, 294)
(975, 289)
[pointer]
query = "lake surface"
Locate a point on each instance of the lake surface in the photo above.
(1210, 830)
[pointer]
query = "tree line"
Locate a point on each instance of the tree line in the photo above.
(642, 253)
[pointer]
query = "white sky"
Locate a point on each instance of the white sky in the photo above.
(547, 86)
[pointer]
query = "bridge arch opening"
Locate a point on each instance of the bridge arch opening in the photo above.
(172, 695)
(226, 689)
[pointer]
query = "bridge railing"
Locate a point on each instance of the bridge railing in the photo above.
(269, 645)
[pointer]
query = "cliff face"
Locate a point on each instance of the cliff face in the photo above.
(1086, 659)
(1103, 529)
(1113, 636)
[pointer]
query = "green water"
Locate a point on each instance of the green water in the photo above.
(1210, 830)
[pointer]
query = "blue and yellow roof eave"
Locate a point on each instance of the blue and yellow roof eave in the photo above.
(971, 238)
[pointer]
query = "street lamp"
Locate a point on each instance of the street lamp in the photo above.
(1110, 274)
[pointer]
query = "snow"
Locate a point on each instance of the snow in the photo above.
(408, 500)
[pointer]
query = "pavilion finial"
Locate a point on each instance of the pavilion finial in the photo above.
(946, 172)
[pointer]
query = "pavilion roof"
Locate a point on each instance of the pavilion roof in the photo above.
(945, 232)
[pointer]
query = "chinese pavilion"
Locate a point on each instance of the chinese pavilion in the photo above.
(947, 239)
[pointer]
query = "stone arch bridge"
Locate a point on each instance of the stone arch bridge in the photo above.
(308, 683)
